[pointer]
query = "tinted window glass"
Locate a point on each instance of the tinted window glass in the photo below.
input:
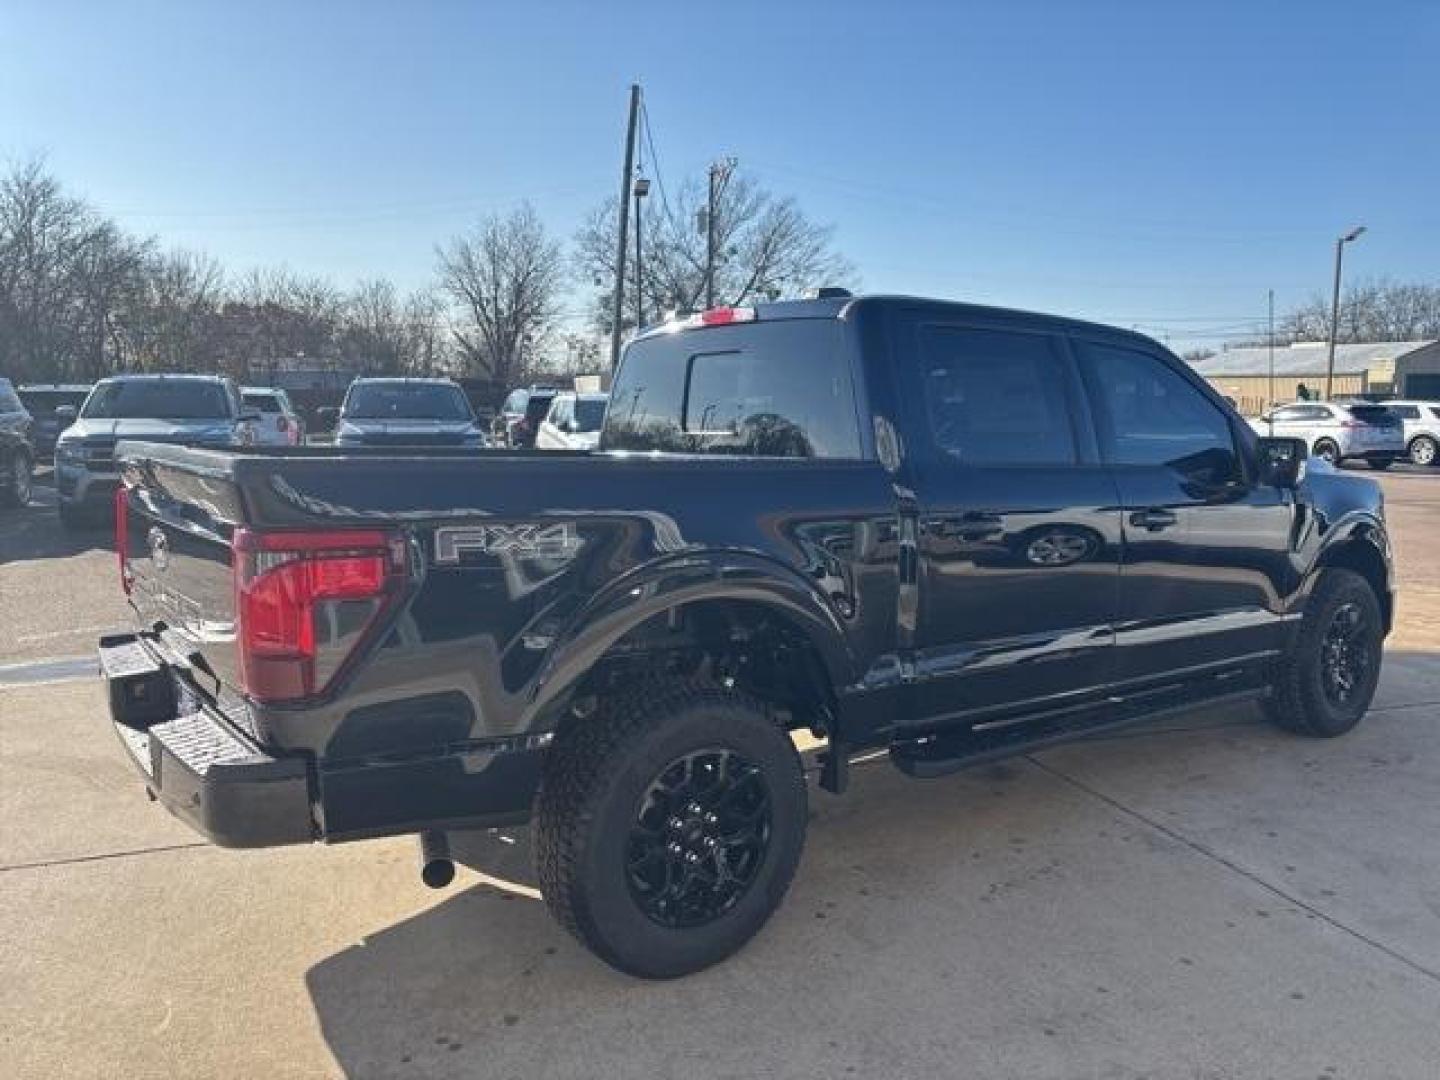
(1148, 414)
(265, 403)
(589, 413)
(1406, 412)
(158, 399)
(537, 405)
(780, 389)
(406, 401)
(1298, 412)
(996, 398)
(1435, 411)
(515, 403)
(1378, 415)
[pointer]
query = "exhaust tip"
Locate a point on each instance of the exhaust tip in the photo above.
(436, 867)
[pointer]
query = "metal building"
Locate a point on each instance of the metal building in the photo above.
(1408, 369)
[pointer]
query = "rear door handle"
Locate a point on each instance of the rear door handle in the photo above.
(1153, 519)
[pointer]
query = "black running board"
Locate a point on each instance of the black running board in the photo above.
(945, 753)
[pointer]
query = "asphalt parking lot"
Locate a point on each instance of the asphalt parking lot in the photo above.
(1207, 898)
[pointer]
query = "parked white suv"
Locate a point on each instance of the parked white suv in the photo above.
(1421, 420)
(573, 422)
(279, 423)
(1339, 432)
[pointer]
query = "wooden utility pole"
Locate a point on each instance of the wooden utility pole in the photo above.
(719, 177)
(622, 235)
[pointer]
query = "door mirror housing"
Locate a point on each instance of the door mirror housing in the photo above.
(1282, 461)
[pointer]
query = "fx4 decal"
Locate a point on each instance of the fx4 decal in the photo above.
(452, 543)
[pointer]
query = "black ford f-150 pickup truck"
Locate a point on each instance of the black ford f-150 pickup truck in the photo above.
(952, 532)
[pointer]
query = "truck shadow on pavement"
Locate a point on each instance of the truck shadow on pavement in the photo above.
(913, 900)
(35, 532)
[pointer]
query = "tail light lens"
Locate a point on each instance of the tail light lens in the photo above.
(122, 535)
(305, 601)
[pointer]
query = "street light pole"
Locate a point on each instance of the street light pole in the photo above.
(1353, 234)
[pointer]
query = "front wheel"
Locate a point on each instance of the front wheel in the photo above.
(1327, 681)
(669, 825)
(18, 491)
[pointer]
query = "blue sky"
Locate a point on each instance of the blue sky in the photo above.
(1158, 164)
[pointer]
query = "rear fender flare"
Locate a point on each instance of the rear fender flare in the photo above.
(682, 580)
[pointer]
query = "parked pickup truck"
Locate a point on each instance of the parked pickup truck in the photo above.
(950, 532)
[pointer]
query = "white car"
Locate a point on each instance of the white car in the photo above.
(1421, 421)
(1338, 432)
(573, 422)
(279, 423)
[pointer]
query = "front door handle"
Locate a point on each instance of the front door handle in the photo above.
(1153, 519)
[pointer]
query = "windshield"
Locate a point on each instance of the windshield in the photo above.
(406, 401)
(147, 399)
(589, 414)
(47, 401)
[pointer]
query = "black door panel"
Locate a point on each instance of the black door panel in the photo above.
(1019, 526)
(1205, 549)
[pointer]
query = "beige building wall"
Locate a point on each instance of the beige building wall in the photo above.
(1251, 393)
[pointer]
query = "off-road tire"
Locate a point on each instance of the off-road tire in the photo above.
(591, 789)
(1299, 702)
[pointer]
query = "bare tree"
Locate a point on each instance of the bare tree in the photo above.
(1381, 310)
(66, 276)
(505, 278)
(173, 325)
(766, 249)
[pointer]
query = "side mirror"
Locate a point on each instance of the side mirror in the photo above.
(1282, 461)
(66, 414)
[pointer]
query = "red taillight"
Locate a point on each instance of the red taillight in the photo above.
(122, 535)
(722, 316)
(304, 601)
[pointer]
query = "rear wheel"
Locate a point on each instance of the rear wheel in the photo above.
(1424, 450)
(1327, 450)
(1328, 680)
(669, 825)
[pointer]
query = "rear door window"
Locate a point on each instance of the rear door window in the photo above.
(996, 397)
(778, 389)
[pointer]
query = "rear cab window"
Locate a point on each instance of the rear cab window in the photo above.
(783, 388)
(265, 403)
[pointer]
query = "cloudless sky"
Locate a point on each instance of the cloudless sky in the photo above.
(1153, 163)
